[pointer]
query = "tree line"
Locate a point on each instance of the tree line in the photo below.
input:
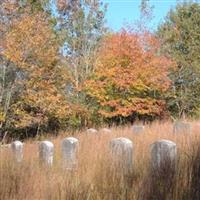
(62, 68)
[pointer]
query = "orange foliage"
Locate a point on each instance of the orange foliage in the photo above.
(31, 42)
(32, 46)
(130, 76)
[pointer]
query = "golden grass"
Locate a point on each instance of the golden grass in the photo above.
(94, 179)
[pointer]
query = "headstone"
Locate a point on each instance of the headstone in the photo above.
(122, 153)
(17, 150)
(69, 150)
(105, 130)
(138, 129)
(182, 127)
(46, 151)
(92, 131)
(163, 152)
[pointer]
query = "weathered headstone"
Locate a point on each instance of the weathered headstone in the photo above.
(46, 151)
(69, 151)
(17, 150)
(105, 130)
(163, 153)
(182, 127)
(138, 129)
(122, 153)
(92, 131)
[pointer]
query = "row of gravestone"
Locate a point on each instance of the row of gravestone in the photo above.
(178, 127)
(121, 150)
(46, 152)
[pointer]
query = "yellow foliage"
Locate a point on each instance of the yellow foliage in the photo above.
(32, 46)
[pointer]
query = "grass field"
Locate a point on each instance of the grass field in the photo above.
(95, 179)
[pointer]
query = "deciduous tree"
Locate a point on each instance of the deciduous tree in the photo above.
(130, 78)
(82, 25)
(32, 46)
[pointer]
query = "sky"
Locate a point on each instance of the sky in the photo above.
(121, 12)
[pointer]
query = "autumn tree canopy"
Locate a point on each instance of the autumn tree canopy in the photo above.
(130, 78)
(31, 46)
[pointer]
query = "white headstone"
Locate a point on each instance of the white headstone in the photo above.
(69, 150)
(46, 151)
(92, 131)
(182, 127)
(122, 152)
(17, 149)
(105, 130)
(138, 129)
(163, 151)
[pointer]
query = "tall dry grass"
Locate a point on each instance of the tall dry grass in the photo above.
(95, 179)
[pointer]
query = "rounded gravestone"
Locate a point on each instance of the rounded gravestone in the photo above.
(163, 153)
(17, 150)
(46, 151)
(182, 127)
(122, 154)
(69, 151)
(138, 129)
(92, 131)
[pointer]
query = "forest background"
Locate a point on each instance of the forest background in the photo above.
(62, 68)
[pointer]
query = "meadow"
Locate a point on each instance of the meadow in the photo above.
(95, 178)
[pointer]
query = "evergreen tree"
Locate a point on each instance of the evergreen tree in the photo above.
(180, 36)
